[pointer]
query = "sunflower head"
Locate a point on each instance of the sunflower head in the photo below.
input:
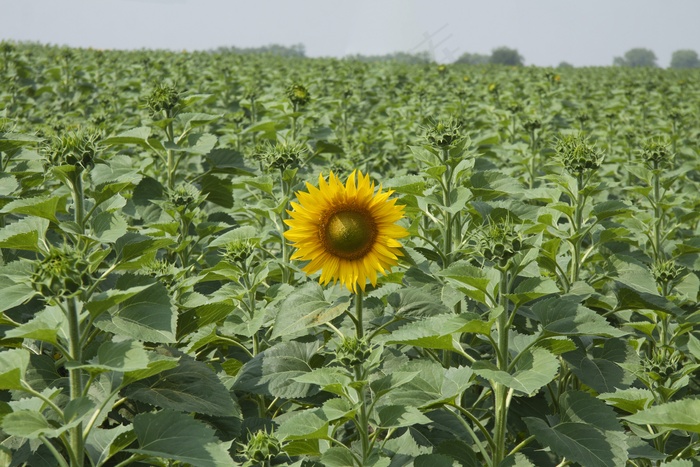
(348, 231)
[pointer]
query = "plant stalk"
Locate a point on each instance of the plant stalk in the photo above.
(75, 377)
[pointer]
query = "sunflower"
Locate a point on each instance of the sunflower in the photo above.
(348, 231)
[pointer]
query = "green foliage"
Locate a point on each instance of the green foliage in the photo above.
(685, 59)
(544, 311)
(506, 56)
(473, 59)
(637, 57)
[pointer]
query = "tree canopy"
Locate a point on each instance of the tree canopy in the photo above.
(638, 57)
(685, 59)
(506, 56)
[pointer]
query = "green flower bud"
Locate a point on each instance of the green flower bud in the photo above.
(78, 148)
(63, 272)
(532, 124)
(656, 153)
(514, 107)
(577, 154)
(666, 272)
(281, 156)
(238, 252)
(353, 351)
(185, 197)
(298, 95)
(500, 242)
(444, 134)
(164, 97)
(262, 446)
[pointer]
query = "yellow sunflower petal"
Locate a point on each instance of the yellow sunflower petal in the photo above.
(346, 230)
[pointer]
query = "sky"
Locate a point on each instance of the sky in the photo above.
(545, 32)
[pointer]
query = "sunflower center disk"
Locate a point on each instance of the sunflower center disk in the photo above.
(350, 234)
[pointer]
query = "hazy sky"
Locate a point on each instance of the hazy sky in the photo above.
(545, 32)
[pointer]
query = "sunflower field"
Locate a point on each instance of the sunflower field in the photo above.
(210, 259)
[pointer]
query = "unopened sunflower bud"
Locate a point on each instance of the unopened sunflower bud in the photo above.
(353, 351)
(64, 272)
(655, 153)
(238, 252)
(286, 155)
(262, 446)
(78, 148)
(666, 272)
(298, 95)
(444, 134)
(184, 197)
(577, 154)
(163, 98)
(532, 124)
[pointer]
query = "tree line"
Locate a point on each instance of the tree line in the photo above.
(636, 57)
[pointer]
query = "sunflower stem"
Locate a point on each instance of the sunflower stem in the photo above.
(75, 377)
(358, 315)
(500, 391)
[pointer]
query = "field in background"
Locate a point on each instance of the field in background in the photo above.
(545, 311)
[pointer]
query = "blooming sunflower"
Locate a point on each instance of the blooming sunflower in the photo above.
(348, 231)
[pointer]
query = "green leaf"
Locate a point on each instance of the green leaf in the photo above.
(337, 408)
(116, 356)
(629, 298)
(395, 416)
(109, 226)
(333, 379)
(338, 457)
(190, 387)
(203, 315)
(11, 140)
(306, 307)
(427, 333)
(157, 363)
(476, 283)
(45, 207)
(138, 136)
(147, 315)
(516, 460)
(580, 443)
(274, 371)
(682, 414)
(630, 400)
(533, 288)
(559, 316)
(579, 406)
(45, 326)
(13, 366)
(240, 234)
(179, 437)
(588, 432)
(28, 424)
(118, 169)
(307, 424)
(433, 385)
(229, 161)
(102, 444)
(534, 369)
(14, 293)
(24, 234)
(133, 245)
(608, 209)
(601, 369)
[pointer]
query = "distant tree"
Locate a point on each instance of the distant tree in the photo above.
(473, 59)
(685, 59)
(638, 57)
(506, 56)
(565, 65)
(399, 57)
